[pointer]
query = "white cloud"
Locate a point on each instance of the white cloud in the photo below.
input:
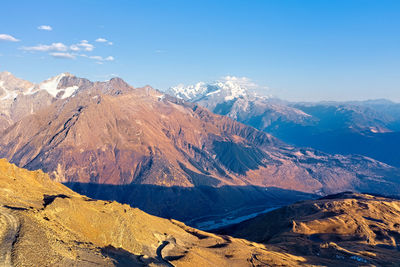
(63, 55)
(7, 37)
(45, 28)
(95, 57)
(60, 50)
(84, 44)
(46, 48)
(101, 40)
(104, 40)
(74, 48)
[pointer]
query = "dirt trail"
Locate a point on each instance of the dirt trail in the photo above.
(159, 254)
(9, 227)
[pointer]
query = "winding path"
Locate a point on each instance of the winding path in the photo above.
(159, 253)
(9, 227)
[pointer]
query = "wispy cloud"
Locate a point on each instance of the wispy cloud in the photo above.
(46, 48)
(74, 48)
(7, 37)
(61, 50)
(104, 40)
(99, 59)
(63, 55)
(85, 45)
(101, 40)
(45, 28)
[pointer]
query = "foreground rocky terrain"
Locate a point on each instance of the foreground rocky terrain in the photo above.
(43, 223)
(358, 229)
(174, 159)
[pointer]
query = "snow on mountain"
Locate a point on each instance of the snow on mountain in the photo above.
(226, 89)
(236, 98)
(11, 87)
(8, 94)
(52, 86)
(190, 92)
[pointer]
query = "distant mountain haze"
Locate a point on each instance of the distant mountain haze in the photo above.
(370, 128)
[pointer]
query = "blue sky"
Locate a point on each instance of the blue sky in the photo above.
(300, 50)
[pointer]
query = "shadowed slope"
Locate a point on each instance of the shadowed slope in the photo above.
(178, 202)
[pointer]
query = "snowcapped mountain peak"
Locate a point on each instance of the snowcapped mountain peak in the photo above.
(190, 91)
(11, 86)
(235, 86)
(227, 88)
(52, 87)
(51, 84)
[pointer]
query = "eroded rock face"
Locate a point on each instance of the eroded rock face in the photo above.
(46, 224)
(355, 228)
(112, 133)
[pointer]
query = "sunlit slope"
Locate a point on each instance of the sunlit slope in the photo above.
(46, 224)
(355, 229)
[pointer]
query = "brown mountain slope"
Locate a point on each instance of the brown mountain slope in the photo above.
(358, 229)
(110, 133)
(43, 223)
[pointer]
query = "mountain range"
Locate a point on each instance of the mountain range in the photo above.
(269, 201)
(167, 156)
(369, 128)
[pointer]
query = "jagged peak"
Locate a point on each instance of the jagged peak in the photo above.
(52, 85)
(226, 88)
(118, 82)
